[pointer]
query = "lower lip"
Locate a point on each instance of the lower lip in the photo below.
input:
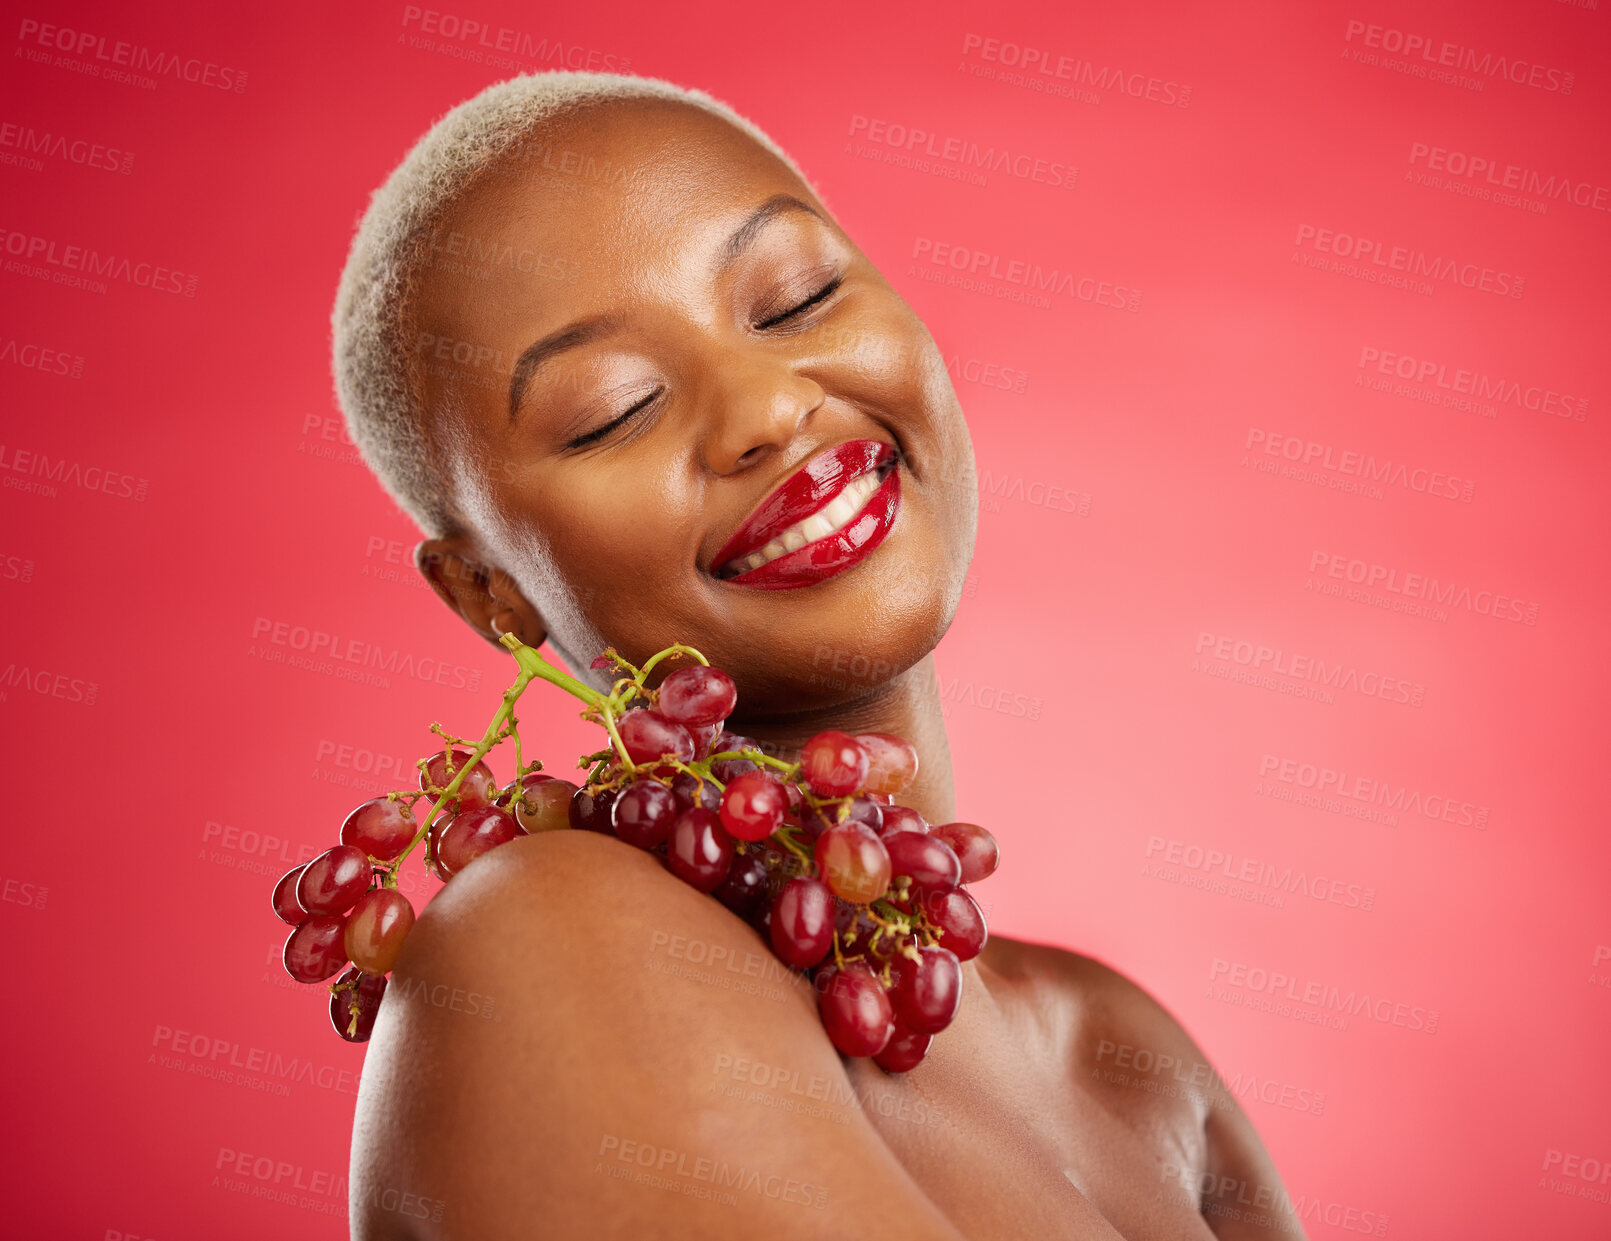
(830, 556)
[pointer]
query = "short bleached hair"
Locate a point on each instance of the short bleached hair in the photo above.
(376, 374)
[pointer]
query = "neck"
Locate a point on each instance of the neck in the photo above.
(908, 706)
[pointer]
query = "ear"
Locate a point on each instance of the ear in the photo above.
(482, 594)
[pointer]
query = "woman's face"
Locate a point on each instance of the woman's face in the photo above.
(676, 403)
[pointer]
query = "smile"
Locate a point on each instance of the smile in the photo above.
(825, 517)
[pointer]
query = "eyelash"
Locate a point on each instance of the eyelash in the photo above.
(594, 436)
(809, 302)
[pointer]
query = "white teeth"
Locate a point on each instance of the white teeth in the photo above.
(816, 527)
(841, 510)
(825, 521)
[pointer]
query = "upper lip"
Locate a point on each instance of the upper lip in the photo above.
(809, 488)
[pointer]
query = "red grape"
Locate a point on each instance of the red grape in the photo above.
(355, 1003)
(691, 791)
(891, 763)
(473, 833)
(927, 991)
(904, 1051)
(728, 769)
(590, 812)
(334, 880)
(700, 851)
(478, 788)
(902, 819)
(802, 922)
(853, 862)
(856, 1012)
(833, 763)
(745, 888)
(644, 812)
(650, 736)
(753, 804)
(697, 695)
(316, 949)
(286, 906)
(545, 806)
(526, 782)
(382, 828)
(975, 848)
(703, 735)
(376, 929)
(927, 861)
(956, 915)
(815, 820)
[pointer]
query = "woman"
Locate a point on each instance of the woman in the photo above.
(590, 329)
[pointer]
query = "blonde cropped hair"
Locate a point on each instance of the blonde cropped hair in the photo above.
(376, 378)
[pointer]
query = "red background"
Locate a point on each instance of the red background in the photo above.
(145, 827)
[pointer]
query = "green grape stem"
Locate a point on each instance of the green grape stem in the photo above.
(532, 667)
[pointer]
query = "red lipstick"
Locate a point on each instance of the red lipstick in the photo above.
(825, 517)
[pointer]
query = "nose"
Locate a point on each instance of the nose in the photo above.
(758, 405)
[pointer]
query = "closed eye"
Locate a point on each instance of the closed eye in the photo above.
(594, 436)
(809, 302)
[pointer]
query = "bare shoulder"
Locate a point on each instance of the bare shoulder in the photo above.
(1125, 1049)
(549, 1054)
(1103, 1009)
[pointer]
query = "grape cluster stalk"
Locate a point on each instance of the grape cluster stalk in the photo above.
(863, 896)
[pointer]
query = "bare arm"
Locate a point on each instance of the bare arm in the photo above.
(600, 1098)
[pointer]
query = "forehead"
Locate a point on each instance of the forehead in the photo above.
(592, 206)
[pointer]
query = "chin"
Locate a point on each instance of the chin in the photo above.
(849, 638)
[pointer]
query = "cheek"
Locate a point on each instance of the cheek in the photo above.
(618, 550)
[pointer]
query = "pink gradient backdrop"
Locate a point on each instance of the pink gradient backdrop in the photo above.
(1124, 519)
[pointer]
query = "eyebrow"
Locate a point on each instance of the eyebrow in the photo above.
(595, 327)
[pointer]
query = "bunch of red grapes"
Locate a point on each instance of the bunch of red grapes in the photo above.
(863, 895)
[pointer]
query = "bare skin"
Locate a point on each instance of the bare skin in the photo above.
(647, 1068)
